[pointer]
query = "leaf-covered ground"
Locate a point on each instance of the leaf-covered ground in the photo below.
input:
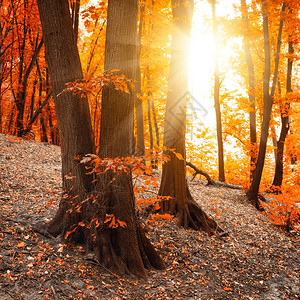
(255, 261)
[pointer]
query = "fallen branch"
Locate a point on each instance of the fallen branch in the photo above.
(210, 181)
(201, 172)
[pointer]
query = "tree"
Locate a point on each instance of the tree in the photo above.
(251, 90)
(87, 205)
(26, 44)
(217, 97)
(285, 122)
(139, 112)
(173, 181)
(268, 96)
(5, 29)
(23, 83)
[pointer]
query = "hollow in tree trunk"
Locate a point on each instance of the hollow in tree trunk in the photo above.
(122, 250)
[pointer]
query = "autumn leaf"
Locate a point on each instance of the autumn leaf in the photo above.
(81, 224)
(70, 232)
(121, 223)
(21, 245)
(179, 156)
(49, 203)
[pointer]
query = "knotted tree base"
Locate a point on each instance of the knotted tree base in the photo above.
(192, 215)
(253, 198)
(107, 225)
(189, 212)
(181, 203)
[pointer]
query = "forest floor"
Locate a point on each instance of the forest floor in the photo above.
(255, 261)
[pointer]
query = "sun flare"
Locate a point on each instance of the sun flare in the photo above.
(202, 57)
(201, 62)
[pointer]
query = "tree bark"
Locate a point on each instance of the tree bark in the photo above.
(116, 139)
(173, 181)
(122, 250)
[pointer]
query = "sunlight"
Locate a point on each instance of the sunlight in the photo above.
(201, 60)
(201, 63)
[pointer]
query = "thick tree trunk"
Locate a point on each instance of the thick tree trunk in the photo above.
(173, 182)
(116, 139)
(72, 111)
(123, 250)
(251, 91)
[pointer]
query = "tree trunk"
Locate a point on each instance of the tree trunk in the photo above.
(285, 124)
(217, 98)
(86, 202)
(22, 90)
(173, 182)
(116, 139)
(139, 113)
(251, 91)
(155, 164)
(155, 123)
(75, 17)
(150, 121)
(149, 94)
(252, 194)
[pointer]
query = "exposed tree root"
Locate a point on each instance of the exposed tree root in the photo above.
(122, 250)
(192, 215)
(198, 219)
(40, 228)
(254, 200)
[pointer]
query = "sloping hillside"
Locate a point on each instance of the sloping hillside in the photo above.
(255, 261)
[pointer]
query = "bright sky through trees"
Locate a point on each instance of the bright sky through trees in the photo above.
(202, 55)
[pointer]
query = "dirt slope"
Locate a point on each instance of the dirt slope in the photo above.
(255, 261)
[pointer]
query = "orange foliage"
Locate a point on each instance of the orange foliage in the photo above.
(24, 83)
(23, 88)
(284, 210)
